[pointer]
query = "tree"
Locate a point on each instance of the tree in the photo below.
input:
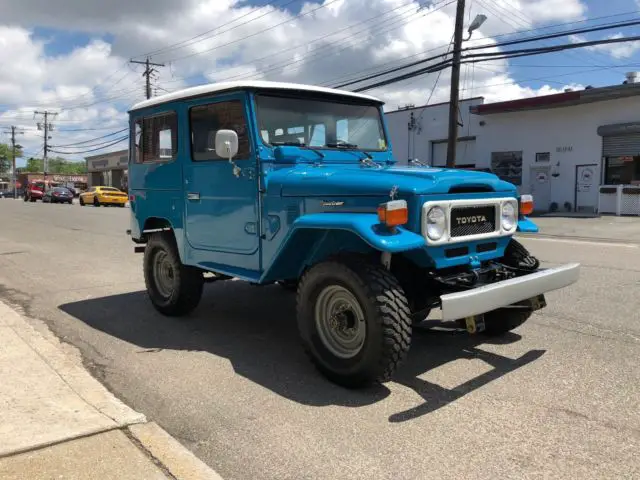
(57, 165)
(6, 158)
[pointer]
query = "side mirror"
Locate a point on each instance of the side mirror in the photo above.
(227, 147)
(226, 143)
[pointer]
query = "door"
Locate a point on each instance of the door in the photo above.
(586, 188)
(540, 183)
(221, 209)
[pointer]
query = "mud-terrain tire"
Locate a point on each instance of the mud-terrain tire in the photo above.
(366, 342)
(173, 288)
(517, 256)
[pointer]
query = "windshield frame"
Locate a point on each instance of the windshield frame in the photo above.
(319, 97)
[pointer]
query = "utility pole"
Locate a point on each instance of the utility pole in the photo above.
(147, 72)
(455, 86)
(46, 126)
(14, 131)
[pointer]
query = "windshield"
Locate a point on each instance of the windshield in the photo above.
(319, 123)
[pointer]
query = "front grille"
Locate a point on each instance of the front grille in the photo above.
(473, 220)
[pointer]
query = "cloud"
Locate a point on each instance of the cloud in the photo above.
(615, 50)
(325, 42)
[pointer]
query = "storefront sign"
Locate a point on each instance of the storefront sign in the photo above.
(564, 149)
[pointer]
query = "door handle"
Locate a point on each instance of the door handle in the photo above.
(193, 196)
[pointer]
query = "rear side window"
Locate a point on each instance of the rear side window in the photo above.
(156, 138)
(206, 120)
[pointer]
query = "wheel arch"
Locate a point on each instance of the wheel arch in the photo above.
(316, 237)
(153, 225)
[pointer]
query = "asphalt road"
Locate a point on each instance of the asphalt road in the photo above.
(559, 398)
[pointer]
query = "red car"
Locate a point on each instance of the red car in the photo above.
(34, 191)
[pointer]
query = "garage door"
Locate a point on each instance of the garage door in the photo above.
(621, 145)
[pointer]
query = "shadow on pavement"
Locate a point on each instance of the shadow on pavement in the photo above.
(255, 329)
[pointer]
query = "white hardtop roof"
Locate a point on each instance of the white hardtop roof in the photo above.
(262, 85)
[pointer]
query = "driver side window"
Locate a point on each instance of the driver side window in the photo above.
(206, 120)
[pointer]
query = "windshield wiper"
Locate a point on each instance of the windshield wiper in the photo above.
(348, 146)
(298, 144)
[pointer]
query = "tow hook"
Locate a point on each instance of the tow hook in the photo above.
(475, 324)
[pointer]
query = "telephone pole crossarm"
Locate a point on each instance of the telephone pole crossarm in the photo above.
(147, 72)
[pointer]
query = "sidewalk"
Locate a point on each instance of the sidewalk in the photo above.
(58, 422)
(604, 228)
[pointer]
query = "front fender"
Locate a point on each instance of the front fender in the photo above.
(367, 227)
(527, 226)
(317, 236)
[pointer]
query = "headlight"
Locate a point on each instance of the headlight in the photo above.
(436, 223)
(509, 216)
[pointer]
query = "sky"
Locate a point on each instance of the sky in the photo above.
(72, 57)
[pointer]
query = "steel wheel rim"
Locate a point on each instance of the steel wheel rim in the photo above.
(340, 321)
(163, 274)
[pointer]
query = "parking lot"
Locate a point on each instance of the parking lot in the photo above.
(559, 398)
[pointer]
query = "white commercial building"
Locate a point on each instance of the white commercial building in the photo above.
(574, 151)
(108, 169)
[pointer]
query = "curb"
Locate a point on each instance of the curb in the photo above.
(65, 361)
(162, 447)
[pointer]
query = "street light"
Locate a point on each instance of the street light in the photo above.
(476, 24)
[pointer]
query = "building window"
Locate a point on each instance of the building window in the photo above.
(206, 120)
(622, 170)
(156, 138)
(543, 157)
(507, 166)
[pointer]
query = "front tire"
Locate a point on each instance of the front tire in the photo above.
(174, 289)
(354, 321)
(81, 202)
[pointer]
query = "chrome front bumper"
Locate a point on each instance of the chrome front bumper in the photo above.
(484, 299)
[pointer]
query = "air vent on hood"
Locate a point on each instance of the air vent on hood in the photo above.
(470, 189)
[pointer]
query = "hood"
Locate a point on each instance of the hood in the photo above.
(340, 180)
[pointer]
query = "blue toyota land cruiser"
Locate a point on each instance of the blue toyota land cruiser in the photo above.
(297, 185)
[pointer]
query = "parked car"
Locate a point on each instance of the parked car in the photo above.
(34, 191)
(58, 195)
(104, 196)
(297, 184)
(19, 193)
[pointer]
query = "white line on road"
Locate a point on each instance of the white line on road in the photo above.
(581, 242)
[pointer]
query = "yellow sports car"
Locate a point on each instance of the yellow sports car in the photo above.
(97, 196)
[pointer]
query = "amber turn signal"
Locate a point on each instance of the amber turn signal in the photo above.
(526, 204)
(393, 213)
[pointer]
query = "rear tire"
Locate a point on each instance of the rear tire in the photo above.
(174, 289)
(502, 321)
(354, 321)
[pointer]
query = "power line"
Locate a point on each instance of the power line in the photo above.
(188, 42)
(474, 58)
(90, 140)
(499, 55)
(120, 140)
(309, 12)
